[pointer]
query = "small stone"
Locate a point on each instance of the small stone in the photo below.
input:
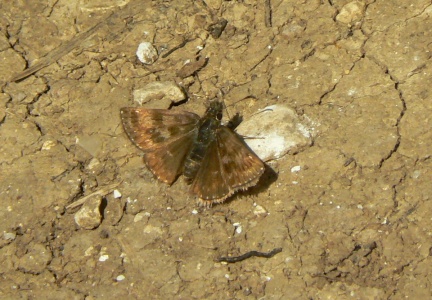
(9, 236)
(94, 163)
(114, 209)
(103, 258)
(259, 211)
(238, 227)
(351, 12)
(166, 92)
(146, 53)
(140, 216)
(89, 216)
(295, 169)
(117, 194)
(275, 131)
(48, 145)
(120, 278)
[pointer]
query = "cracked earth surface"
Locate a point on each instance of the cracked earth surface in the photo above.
(353, 223)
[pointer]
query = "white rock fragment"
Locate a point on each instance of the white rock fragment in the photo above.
(259, 211)
(146, 53)
(194, 212)
(89, 216)
(274, 131)
(295, 169)
(117, 194)
(238, 227)
(165, 92)
(120, 278)
(103, 258)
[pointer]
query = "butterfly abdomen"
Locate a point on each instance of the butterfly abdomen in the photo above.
(206, 135)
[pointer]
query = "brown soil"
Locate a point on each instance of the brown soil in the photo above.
(353, 223)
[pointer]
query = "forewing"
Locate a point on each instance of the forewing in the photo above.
(208, 184)
(241, 168)
(151, 129)
(164, 136)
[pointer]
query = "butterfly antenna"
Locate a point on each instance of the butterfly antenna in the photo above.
(226, 108)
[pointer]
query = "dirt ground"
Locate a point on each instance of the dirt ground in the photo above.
(353, 218)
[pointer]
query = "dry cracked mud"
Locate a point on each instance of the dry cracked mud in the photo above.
(351, 212)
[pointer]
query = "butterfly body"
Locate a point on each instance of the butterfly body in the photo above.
(211, 156)
(207, 129)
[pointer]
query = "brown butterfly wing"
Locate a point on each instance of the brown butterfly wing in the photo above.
(165, 137)
(241, 167)
(209, 184)
(228, 165)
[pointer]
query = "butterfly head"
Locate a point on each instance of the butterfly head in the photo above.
(214, 111)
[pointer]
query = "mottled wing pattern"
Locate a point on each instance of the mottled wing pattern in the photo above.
(165, 137)
(150, 129)
(240, 167)
(229, 165)
(209, 184)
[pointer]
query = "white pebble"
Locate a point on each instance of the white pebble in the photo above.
(295, 169)
(120, 278)
(104, 257)
(259, 210)
(146, 53)
(117, 194)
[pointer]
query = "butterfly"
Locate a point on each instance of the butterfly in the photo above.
(214, 159)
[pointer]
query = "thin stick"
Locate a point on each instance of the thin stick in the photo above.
(233, 259)
(103, 191)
